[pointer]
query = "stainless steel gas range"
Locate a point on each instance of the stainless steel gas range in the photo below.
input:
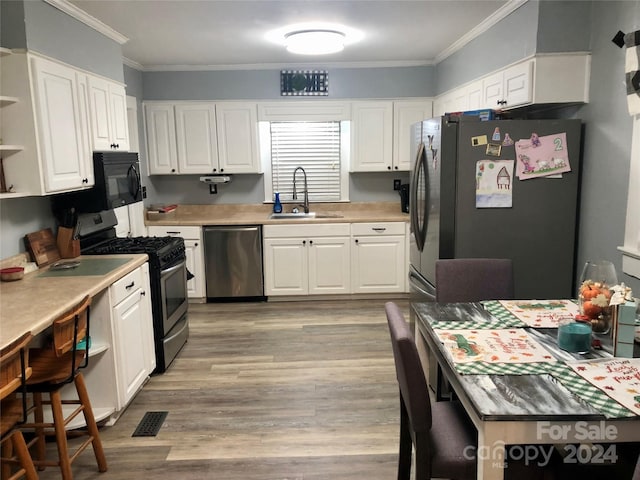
(168, 278)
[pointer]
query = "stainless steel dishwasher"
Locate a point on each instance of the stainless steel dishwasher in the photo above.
(233, 262)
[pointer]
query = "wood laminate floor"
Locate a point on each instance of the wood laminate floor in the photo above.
(269, 391)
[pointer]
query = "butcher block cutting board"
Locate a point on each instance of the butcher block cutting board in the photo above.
(42, 247)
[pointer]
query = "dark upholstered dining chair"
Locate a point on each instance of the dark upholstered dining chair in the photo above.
(474, 279)
(439, 431)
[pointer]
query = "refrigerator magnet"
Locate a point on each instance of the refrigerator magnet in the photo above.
(479, 140)
(496, 135)
(507, 142)
(494, 149)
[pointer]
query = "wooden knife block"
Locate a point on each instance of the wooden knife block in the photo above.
(67, 245)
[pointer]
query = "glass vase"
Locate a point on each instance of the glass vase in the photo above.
(594, 294)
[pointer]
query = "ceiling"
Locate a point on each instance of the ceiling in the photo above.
(230, 34)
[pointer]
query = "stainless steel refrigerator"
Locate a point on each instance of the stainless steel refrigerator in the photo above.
(450, 220)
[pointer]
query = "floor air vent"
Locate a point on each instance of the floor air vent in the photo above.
(150, 424)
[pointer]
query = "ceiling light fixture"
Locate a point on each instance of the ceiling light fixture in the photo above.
(314, 38)
(315, 42)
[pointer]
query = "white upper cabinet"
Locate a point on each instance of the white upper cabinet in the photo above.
(237, 125)
(405, 114)
(59, 114)
(202, 137)
(546, 78)
(108, 106)
(196, 137)
(509, 87)
(161, 138)
(372, 136)
(473, 95)
(56, 117)
(380, 133)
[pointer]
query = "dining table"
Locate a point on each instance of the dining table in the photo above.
(520, 389)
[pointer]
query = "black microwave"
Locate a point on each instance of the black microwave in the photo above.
(117, 183)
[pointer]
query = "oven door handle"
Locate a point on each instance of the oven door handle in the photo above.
(172, 269)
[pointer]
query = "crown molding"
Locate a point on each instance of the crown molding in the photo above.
(88, 20)
(479, 29)
(280, 66)
(133, 64)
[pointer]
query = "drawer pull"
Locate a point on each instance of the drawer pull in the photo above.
(378, 229)
(131, 285)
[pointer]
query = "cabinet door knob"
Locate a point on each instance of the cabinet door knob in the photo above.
(389, 168)
(222, 169)
(173, 170)
(195, 244)
(356, 240)
(304, 242)
(215, 169)
(310, 242)
(396, 167)
(143, 293)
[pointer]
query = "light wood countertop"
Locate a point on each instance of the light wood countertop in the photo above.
(254, 214)
(31, 304)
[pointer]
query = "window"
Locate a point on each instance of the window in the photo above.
(319, 147)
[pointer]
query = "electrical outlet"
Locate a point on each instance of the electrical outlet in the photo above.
(396, 184)
(144, 192)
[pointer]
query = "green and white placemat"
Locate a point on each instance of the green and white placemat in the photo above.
(487, 368)
(588, 392)
(494, 318)
(502, 352)
(497, 310)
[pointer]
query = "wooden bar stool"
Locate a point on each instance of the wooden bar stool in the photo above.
(14, 370)
(53, 367)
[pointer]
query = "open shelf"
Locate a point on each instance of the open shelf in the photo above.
(97, 349)
(13, 195)
(11, 148)
(6, 100)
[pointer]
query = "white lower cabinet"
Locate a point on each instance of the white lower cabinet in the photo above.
(306, 259)
(132, 333)
(192, 236)
(378, 257)
(335, 258)
(121, 351)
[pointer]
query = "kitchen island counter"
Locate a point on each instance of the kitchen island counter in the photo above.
(252, 214)
(31, 304)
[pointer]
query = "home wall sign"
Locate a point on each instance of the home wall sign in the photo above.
(304, 82)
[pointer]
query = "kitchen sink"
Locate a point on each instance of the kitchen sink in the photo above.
(292, 216)
(302, 215)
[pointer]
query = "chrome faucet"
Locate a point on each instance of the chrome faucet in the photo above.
(306, 189)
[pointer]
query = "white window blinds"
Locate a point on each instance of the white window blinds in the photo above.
(314, 146)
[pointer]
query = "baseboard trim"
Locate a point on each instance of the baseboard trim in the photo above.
(355, 296)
